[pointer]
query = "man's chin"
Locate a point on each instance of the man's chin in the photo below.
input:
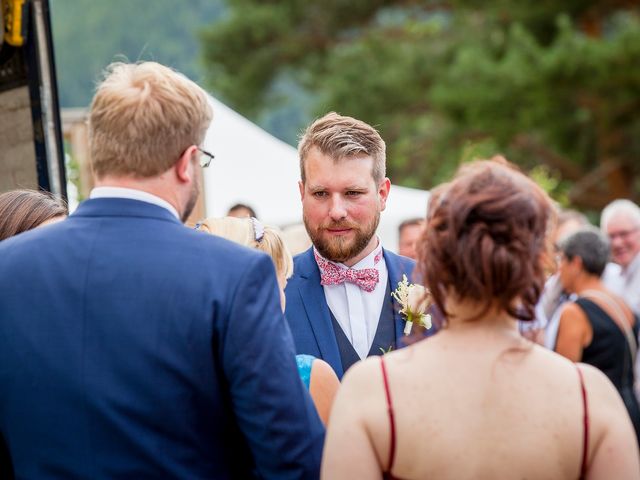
(337, 253)
(622, 260)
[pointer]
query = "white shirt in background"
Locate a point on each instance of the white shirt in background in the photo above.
(132, 194)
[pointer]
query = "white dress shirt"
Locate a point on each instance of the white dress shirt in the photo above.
(357, 311)
(631, 284)
(133, 194)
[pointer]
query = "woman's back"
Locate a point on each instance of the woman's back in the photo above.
(477, 400)
(609, 350)
(480, 404)
(487, 408)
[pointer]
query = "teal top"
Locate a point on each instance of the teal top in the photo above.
(304, 368)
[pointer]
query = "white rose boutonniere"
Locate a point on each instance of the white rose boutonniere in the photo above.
(414, 300)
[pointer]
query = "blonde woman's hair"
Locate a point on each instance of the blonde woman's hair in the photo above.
(242, 231)
(142, 119)
(341, 137)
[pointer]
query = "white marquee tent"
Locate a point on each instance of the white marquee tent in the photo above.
(255, 168)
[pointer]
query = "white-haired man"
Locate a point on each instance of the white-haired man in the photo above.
(620, 221)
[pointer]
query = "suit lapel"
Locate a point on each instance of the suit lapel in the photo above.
(317, 311)
(396, 270)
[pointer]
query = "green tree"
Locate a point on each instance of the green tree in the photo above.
(89, 34)
(545, 83)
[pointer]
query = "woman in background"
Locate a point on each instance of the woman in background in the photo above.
(316, 374)
(598, 327)
(477, 400)
(22, 210)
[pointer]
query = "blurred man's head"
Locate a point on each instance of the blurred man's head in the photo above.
(620, 221)
(342, 186)
(409, 233)
(240, 210)
(147, 121)
(569, 221)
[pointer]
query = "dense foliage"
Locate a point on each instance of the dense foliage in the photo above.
(551, 84)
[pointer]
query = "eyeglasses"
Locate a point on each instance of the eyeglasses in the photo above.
(206, 158)
(622, 234)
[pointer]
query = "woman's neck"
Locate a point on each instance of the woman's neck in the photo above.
(587, 282)
(463, 318)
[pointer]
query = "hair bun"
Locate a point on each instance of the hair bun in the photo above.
(485, 239)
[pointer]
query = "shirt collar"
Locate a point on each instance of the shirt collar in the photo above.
(133, 194)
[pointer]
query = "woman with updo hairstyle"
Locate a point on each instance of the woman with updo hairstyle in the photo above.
(316, 374)
(477, 400)
(22, 210)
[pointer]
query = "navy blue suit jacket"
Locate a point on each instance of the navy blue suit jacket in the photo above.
(134, 347)
(308, 313)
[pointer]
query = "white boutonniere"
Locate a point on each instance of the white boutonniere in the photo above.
(414, 300)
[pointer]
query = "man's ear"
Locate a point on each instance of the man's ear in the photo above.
(184, 166)
(383, 192)
(301, 187)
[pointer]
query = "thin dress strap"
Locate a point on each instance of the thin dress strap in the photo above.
(392, 448)
(585, 421)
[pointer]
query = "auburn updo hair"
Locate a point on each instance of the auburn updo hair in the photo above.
(486, 239)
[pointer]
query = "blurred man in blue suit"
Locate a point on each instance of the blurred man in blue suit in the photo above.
(339, 304)
(132, 346)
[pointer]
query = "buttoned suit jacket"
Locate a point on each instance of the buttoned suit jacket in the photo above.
(308, 314)
(134, 347)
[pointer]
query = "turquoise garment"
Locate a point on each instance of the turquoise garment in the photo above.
(304, 368)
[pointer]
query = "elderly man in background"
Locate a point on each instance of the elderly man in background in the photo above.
(620, 221)
(132, 346)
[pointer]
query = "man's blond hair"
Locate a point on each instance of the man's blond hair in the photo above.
(143, 117)
(343, 137)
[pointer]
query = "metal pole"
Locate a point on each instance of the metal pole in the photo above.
(49, 107)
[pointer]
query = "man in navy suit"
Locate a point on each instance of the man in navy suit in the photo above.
(132, 346)
(339, 303)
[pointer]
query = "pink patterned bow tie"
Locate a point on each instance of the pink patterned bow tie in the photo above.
(330, 274)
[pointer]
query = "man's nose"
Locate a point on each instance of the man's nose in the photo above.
(615, 241)
(337, 210)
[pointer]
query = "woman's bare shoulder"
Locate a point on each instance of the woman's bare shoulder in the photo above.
(322, 373)
(362, 372)
(599, 388)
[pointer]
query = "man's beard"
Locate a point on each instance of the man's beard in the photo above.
(193, 199)
(338, 248)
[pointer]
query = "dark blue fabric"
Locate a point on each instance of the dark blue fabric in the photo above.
(308, 313)
(609, 351)
(384, 339)
(134, 347)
